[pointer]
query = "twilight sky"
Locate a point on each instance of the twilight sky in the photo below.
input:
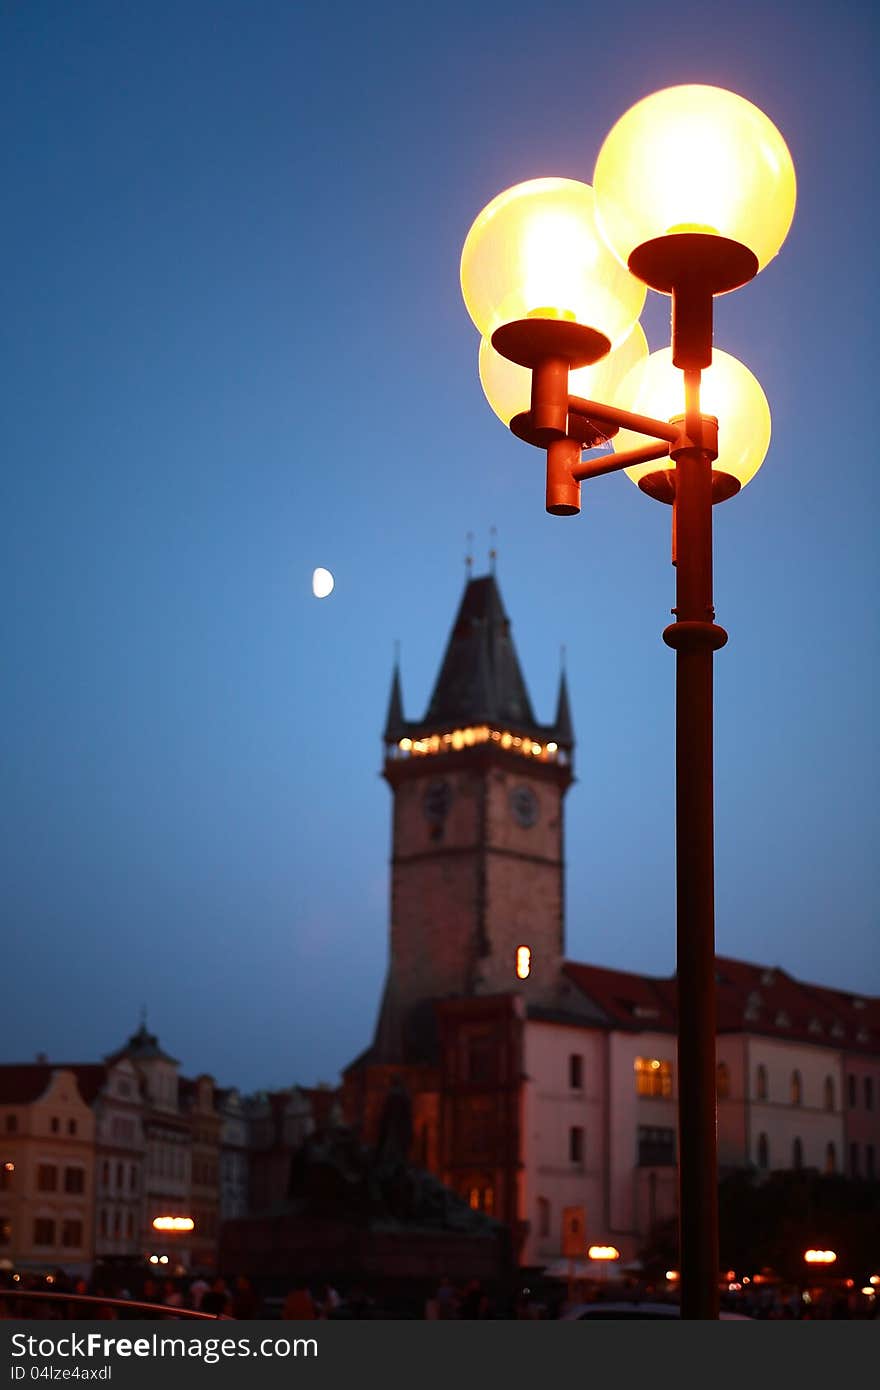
(234, 348)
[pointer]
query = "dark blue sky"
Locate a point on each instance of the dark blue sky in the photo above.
(234, 348)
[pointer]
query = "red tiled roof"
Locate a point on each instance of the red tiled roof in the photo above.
(751, 998)
(630, 1001)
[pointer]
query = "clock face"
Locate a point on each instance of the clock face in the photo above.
(524, 805)
(436, 800)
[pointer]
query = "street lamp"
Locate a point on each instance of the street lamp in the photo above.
(693, 193)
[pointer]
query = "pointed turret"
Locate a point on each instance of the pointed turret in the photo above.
(563, 731)
(395, 724)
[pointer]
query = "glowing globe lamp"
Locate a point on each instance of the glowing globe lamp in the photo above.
(534, 253)
(695, 162)
(729, 392)
(507, 386)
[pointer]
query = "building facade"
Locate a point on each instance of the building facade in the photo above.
(544, 1090)
(114, 1094)
(47, 1163)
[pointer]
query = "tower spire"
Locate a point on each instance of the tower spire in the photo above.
(563, 729)
(395, 724)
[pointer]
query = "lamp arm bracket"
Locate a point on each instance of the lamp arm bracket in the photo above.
(623, 419)
(612, 463)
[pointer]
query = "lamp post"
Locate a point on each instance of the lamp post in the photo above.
(603, 1255)
(693, 193)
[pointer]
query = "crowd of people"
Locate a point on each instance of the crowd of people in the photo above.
(236, 1297)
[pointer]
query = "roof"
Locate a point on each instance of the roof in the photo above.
(480, 679)
(751, 998)
(633, 1002)
(142, 1047)
(23, 1083)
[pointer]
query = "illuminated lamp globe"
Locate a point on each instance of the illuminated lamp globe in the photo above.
(729, 392)
(695, 159)
(534, 253)
(507, 386)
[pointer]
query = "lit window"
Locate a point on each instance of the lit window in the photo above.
(796, 1089)
(523, 962)
(653, 1077)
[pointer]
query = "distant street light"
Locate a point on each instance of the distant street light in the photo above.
(820, 1257)
(173, 1223)
(694, 194)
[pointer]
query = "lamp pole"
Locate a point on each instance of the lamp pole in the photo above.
(694, 194)
(695, 637)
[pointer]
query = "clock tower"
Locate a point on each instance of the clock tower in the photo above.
(477, 840)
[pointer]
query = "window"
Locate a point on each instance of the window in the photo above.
(71, 1126)
(117, 1224)
(129, 1225)
(47, 1177)
(656, 1147)
(852, 1091)
(797, 1154)
(74, 1180)
(761, 1082)
(103, 1222)
(653, 1077)
(11, 1124)
(44, 1231)
(869, 1093)
(576, 1144)
(796, 1088)
(869, 1162)
(830, 1159)
(543, 1216)
(72, 1234)
(55, 1124)
(132, 1179)
(576, 1072)
(722, 1081)
(479, 1199)
(120, 1177)
(829, 1094)
(5, 1231)
(105, 1174)
(854, 1160)
(763, 1152)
